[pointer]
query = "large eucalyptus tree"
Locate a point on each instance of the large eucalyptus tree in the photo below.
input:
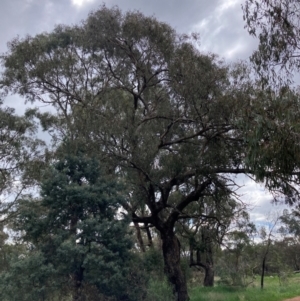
(177, 125)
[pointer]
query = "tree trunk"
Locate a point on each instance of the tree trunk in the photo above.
(207, 265)
(77, 282)
(263, 266)
(209, 275)
(149, 236)
(171, 253)
(78, 275)
(262, 273)
(139, 237)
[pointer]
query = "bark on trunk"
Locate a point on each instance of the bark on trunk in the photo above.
(171, 253)
(209, 276)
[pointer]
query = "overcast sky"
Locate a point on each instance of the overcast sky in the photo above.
(219, 23)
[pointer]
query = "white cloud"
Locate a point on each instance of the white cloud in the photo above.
(80, 3)
(226, 4)
(259, 200)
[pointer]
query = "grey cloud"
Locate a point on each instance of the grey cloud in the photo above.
(179, 14)
(20, 18)
(222, 33)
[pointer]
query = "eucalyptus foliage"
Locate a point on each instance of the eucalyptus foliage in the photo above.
(20, 156)
(276, 24)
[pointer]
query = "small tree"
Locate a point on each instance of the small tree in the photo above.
(75, 231)
(266, 236)
(290, 244)
(209, 223)
(236, 263)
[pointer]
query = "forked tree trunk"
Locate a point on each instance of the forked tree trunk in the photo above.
(208, 265)
(171, 254)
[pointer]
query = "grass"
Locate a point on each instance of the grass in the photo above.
(273, 291)
(159, 290)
